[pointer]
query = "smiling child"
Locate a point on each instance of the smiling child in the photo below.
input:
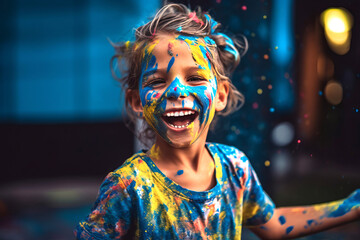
(184, 187)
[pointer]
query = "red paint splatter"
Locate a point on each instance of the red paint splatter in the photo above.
(157, 95)
(170, 46)
(208, 95)
(244, 8)
(299, 141)
(208, 55)
(175, 88)
(193, 17)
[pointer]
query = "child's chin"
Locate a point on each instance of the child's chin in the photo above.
(181, 142)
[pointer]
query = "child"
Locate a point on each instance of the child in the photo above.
(184, 187)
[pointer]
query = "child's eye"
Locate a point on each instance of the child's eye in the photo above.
(154, 82)
(195, 79)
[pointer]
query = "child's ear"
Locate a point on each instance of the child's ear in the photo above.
(221, 96)
(133, 98)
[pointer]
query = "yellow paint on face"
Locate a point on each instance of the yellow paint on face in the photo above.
(199, 58)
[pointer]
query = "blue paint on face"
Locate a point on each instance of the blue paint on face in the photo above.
(148, 66)
(177, 89)
(310, 221)
(172, 60)
(180, 172)
(289, 229)
(154, 99)
(282, 220)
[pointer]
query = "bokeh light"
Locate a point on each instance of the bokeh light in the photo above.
(281, 163)
(333, 92)
(337, 24)
(283, 134)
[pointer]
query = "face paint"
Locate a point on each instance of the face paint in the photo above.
(178, 88)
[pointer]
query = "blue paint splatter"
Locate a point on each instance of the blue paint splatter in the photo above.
(304, 212)
(282, 220)
(179, 29)
(309, 222)
(172, 60)
(180, 172)
(289, 229)
(351, 202)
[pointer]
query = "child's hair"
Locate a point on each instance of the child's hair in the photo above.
(178, 19)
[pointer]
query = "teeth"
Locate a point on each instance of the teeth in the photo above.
(182, 126)
(179, 113)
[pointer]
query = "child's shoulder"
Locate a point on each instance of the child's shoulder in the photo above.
(132, 168)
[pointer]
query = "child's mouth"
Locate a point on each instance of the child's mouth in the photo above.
(179, 118)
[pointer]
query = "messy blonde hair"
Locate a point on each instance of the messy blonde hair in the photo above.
(178, 19)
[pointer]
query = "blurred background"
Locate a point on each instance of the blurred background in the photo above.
(62, 118)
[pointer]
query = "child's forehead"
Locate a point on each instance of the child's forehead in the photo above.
(168, 42)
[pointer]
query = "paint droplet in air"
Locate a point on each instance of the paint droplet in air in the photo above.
(263, 78)
(267, 163)
(244, 8)
(298, 141)
(266, 57)
(272, 109)
(264, 17)
(255, 105)
(259, 91)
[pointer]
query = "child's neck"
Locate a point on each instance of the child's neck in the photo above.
(191, 167)
(191, 157)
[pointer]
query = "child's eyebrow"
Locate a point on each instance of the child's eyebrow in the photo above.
(151, 71)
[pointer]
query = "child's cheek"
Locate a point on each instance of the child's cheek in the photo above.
(151, 96)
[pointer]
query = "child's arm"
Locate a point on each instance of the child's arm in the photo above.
(291, 222)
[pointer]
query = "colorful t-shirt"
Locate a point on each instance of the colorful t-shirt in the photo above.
(137, 201)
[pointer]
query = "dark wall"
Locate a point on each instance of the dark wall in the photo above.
(39, 151)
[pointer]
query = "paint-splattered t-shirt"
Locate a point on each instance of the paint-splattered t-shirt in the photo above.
(138, 201)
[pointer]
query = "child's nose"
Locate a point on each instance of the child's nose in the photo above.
(176, 90)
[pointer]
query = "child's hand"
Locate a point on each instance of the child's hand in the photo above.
(354, 200)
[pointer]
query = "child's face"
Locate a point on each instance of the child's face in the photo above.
(177, 87)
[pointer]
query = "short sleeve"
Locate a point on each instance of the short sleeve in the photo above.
(110, 217)
(258, 207)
